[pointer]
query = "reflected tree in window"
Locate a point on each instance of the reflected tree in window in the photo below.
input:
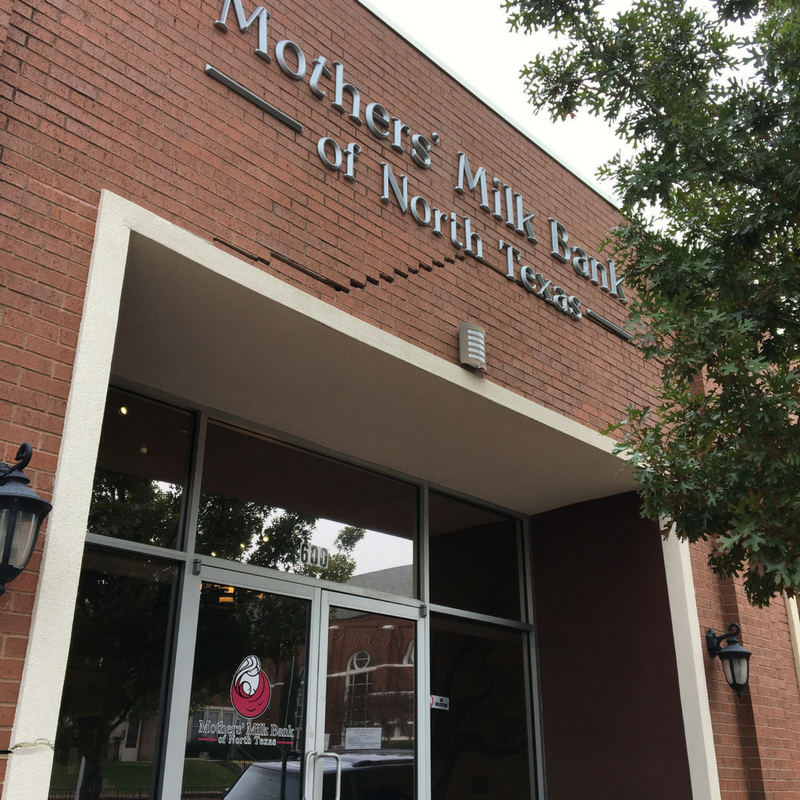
(138, 509)
(341, 564)
(134, 508)
(115, 667)
(481, 672)
(265, 536)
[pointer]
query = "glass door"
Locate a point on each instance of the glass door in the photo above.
(249, 684)
(296, 693)
(366, 744)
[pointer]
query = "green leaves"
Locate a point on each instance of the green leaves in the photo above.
(715, 119)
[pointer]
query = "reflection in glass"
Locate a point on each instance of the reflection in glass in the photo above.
(141, 470)
(111, 707)
(474, 558)
(370, 701)
(294, 511)
(480, 741)
(247, 689)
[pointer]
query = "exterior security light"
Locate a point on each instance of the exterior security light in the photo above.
(472, 346)
(735, 659)
(22, 513)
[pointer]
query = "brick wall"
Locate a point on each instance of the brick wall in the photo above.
(115, 96)
(101, 95)
(757, 737)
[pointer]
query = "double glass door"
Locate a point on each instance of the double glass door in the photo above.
(296, 693)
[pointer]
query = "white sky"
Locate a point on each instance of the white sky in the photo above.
(376, 551)
(472, 39)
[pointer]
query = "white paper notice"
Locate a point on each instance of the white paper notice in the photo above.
(362, 739)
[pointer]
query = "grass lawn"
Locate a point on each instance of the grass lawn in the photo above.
(197, 774)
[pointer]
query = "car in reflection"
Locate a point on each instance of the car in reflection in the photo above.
(366, 775)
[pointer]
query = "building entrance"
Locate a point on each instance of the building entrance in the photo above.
(297, 692)
(289, 625)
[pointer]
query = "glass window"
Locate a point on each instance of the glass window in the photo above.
(479, 727)
(271, 505)
(132, 737)
(248, 667)
(474, 558)
(275, 506)
(370, 703)
(359, 660)
(112, 704)
(142, 468)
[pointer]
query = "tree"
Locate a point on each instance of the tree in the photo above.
(134, 508)
(712, 249)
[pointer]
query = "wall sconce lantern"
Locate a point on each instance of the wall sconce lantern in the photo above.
(22, 513)
(472, 346)
(735, 659)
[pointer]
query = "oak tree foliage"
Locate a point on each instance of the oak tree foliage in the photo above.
(708, 95)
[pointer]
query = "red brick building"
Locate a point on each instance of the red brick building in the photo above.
(238, 245)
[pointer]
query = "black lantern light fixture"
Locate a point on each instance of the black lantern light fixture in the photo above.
(22, 512)
(735, 659)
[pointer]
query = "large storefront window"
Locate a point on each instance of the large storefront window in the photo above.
(474, 558)
(260, 627)
(370, 691)
(287, 509)
(480, 730)
(142, 469)
(111, 716)
(480, 743)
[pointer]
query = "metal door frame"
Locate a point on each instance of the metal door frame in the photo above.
(320, 599)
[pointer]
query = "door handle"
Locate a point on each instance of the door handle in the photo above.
(309, 776)
(338, 772)
(314, 756)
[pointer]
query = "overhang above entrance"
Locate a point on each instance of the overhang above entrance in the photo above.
(199, 324)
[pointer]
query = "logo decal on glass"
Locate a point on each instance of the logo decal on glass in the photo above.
(250, 689)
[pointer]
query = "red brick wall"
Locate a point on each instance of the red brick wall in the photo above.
(757, 737)
(114, 96)
(5, 20)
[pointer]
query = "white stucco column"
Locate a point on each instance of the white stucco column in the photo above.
(691, 674)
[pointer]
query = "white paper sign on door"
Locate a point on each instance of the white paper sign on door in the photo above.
(362, 739)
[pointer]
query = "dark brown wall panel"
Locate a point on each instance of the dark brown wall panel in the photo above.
(612, 716)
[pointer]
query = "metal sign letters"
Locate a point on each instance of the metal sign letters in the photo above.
(496, 198)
